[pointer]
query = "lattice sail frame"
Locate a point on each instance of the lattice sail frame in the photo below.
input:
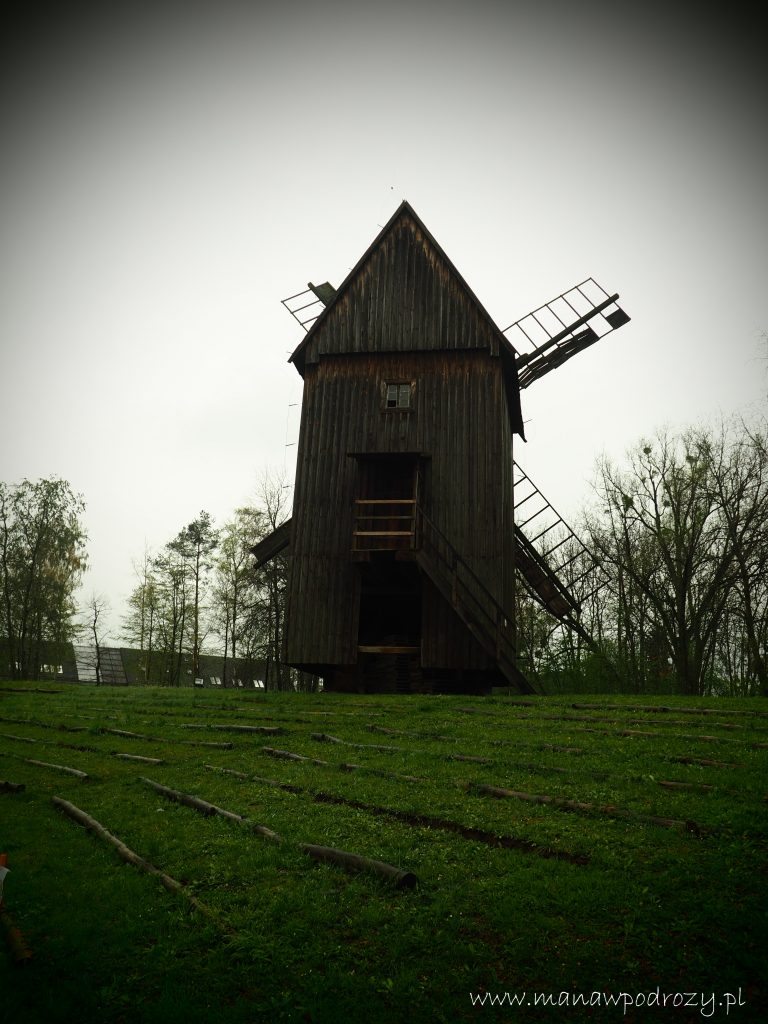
(548, 336)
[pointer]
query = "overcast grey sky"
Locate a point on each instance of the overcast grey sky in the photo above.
(168, 177)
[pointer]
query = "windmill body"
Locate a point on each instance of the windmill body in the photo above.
(402, 544)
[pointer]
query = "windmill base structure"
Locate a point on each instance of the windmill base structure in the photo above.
(403, 549)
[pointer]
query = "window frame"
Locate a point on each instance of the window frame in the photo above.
(406, 388)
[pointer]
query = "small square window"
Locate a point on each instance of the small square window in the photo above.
(398, 396)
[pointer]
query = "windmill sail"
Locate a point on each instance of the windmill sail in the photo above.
(306, 306)
(555, 332)
(548, 553)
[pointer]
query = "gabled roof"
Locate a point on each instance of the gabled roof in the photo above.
(404, 295)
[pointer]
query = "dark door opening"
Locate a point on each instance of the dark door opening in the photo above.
(385, 514)
(390, 605)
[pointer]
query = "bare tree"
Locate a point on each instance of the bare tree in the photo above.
(96, 610)
(140, 622)
(274, 504)
(195, 544)
(683, 528)
(235, 587)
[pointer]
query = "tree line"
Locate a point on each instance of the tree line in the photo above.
(202, 588)
(673, 586)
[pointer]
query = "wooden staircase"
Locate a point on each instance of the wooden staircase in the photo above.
(470, 599)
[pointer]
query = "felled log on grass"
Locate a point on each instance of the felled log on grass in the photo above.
(11, 787)
(209, 810)
(130, 857)
(348, 861)
(347, 766)
(608, 810)
(706, 762)
(256, 778)
(267, 730)
(353, 862)
(59, 768)
(129, 735)
(670, 784)
(287, 755)
(208, 743)
(138, 757)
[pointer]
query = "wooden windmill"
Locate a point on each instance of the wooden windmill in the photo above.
(412, 521)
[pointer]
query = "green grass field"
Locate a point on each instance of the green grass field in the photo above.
(619, 884)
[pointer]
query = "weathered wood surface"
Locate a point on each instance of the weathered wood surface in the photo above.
(706, 762)
(353, 862)
(130, 857)
(209, 809)
(663, 709)
(209, 744)
(11, 787)
(59, 768)
(607, 810)
(287, 755)
(468, 757)
(19, 739)
(342, 858)
(130, 735)
(268, 730)
(140, 758)
(670, 784)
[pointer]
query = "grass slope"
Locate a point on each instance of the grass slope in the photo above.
(582, 894)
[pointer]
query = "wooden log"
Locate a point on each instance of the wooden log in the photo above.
(324, 737)
(397, 732)
(663, 708)
(29, 689)
(669, 784)
(258, 778)
(138, 757)
(287, 755)
(468, 757)
(59, 768)
(210, 745)
(607, 810)
(706, 762)
(380, 772)
(130, 857)
(130, 735)
(19, 739)
(11, 787)
(268, 730)
(377, 746)
(226, 771)
(355, 863)
(209, 810)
